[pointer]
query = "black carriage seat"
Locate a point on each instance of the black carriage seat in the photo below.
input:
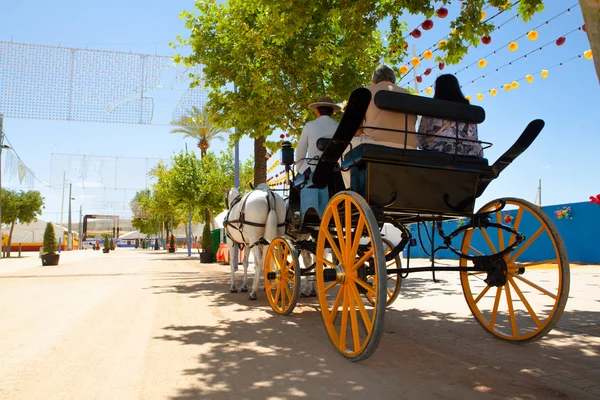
(322, 143)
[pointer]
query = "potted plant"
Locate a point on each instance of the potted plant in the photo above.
(49, 256)
(106, 248)
(112, 244)
(207, 255)
(172, 243)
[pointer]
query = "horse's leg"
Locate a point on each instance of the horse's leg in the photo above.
(304, 283)
(311, 283)
(233, 260)
(258, 261)
(244, 287)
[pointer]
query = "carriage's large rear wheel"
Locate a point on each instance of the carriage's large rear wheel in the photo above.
(393, 279)
(354, 325)
(528, 299)
(282, 276)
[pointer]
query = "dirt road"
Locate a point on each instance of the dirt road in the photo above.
(137, 324)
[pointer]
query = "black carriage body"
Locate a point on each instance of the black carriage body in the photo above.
(405, 183)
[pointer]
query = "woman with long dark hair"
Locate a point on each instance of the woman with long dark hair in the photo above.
(444, 135)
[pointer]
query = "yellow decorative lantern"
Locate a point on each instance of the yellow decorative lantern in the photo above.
(482, 15)
(514, 84)
(529, 78)
(507, 87)
(588, 54)
(428, 55)
(479, 96)
(442, 43)
(468, 98)
(453, 32)
(532, 35)
(482, 63)
(493, 92)
(429, 90)
(513, 46)
(544, 73)
(415, 62)
(403, 69)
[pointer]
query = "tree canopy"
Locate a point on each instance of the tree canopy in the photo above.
(282, 55)
(22, 207)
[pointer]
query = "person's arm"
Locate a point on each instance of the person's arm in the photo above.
(301, 149)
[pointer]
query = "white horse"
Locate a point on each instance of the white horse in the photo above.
(253, 220)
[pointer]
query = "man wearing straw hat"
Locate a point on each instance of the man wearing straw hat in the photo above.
(323, 126)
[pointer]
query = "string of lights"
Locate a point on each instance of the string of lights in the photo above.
(512, 46)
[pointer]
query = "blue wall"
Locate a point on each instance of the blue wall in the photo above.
(579, 234)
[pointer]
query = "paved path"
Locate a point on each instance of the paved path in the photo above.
(137, 324)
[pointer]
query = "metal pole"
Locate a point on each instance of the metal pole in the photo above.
(80, 247)
(1, 144)
(236, 157)
(69, 233)
(62, 204)
(189, 235)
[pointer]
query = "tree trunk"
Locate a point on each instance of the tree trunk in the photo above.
(260, 161)
(591, 15)
(207, 211)
(12, 228)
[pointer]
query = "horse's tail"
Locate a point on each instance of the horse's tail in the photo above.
(271, 223)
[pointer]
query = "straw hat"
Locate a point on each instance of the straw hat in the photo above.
(324, 102)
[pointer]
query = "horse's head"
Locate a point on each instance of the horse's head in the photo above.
(231, 194)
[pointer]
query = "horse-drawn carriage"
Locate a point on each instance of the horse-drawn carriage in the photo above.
(511, 294)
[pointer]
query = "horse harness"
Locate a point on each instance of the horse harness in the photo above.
(242, 219)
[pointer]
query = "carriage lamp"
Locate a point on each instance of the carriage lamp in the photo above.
(287, 154)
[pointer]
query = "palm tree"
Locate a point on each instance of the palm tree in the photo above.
(199, 126)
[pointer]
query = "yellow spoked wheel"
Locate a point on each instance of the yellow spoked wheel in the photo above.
(354, 325)
(282, 276)
(393, 279)
(528, 298)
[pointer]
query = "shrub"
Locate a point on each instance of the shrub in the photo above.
(106, 242)
(206, 239)
(49, 245)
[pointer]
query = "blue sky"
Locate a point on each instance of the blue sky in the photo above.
(563, 156)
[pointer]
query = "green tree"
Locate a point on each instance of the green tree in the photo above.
(22, 207)
(49, 245)
(280, 56)
(200, 126)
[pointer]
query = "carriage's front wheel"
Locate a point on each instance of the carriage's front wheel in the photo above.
(354, 324)
(282, 276)
(526, 299)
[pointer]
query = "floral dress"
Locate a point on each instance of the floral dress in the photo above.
(445, 139)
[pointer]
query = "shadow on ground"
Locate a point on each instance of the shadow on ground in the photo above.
(423, 354)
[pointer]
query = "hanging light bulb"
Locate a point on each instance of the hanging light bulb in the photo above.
(529, 78)
(544, 73)
(493, 92)
(482, 63)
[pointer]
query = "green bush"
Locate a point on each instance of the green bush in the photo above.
(206, 238)
(49, 245)
(106, 242)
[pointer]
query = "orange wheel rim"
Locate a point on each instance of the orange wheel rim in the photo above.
(348, 317)
(280, 291)
(534, 294)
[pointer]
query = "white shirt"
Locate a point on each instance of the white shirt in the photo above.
(324, 126)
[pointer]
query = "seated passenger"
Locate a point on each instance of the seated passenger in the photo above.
(386, 127)
(323, 126)
(445, 139)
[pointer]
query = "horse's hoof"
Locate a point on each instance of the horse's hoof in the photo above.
(243, 290)
(232, 290)
(252, 297)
